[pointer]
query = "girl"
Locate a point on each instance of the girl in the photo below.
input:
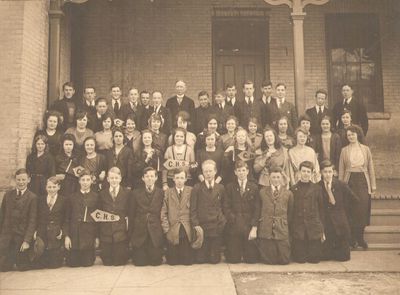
(212, 125)
(159, 138)
(328, 144)
(80, 131)
(178, 151)
(228, 139)
(104, 138)
(273, 155)
(300, 153)
(66, 161)
(286, 140)
(347, 122)
(183, 120)
(94, 162)
(133, 137)
(255, 137)
(40, 165)
(51, 131)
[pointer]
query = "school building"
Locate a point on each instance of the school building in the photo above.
(307, 44)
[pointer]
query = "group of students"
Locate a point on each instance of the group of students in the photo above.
(123, 177)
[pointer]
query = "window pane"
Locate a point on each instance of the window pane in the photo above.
(338, 55)
(368, 71)
(338, 74)
(353, 55)
(353, 73)
(367, 55)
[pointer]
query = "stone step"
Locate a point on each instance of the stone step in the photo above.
(382, 234)
(385, 217)
(385, 203)
(377, 247)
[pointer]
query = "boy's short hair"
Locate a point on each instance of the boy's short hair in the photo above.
(209, 162)
(89, 87)
(54, 180)
(179, 171)
(100, 99)
(275, 169)
(115, 86)
(322, 91)
(203, 93)
(306, 164)
(69, 84)
(325, 164)
(148, 169)
(280, 84)
(266, 83)
(144, 92)
(220, 92)
(241, 164)
(21, 171)
(84, 172)
(248, 82)
(115, 170)
(304, 117)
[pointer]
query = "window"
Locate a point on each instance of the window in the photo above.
(354, 57)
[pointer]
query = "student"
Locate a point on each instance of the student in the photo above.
(346, 121)
(161, 111)
(276, 216)
(146, 103)
(80, 131)
(249, 106)
(115, 107)
(202, 112)
(81, 232)
(183, 121)
(305, 123)
(286, 108)
(40, 165)
(252, 133)
(88, 103)
(133, 137)
(231, 125)
(159, 138)
(222, 111)
(206, 214)
(307, 229)
(268, 101)
(242, 211)
(317, 112)
(95, 120)
(114, 235)
(104, 138)
(286, 140)
(51, 218)
(231, 92)
(175, 220)
(145, 221)
(338, 199)
(52, 122)
(17, 224)
(212, 125)
(133, 108)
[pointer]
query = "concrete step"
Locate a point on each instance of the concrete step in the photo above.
(377, 247)
(385, 217)
(385, 203)
(382, 234)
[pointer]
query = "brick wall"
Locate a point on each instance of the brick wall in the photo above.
(23, 80)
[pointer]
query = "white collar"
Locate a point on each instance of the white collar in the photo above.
(222, 104)
(90, 104)
(180, 96)
(348, 100)
(116, 100)
(85, 192)
(281, 100)
(22, 192)
(317, 107)
(244, 182)
(49, 198)
(248, 99)
(275, 187)
(209, 184)
(179, 190)
(116, 189)
(151, 189)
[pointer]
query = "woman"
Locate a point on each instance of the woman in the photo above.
(212, 125)
(66, 161)
(328, 144)
(347, 122)
(183, 121)
(357, 169)
(159, 138)
(104, 138)
(286, 140)
(51, 131)
(273, 155)
(179, 150)
(255, 137)
(40, 165)
(147, 156)
(300, 153)
(228, 139)
(94, 162)
(132, 135)
(80, 131)
(120, 156)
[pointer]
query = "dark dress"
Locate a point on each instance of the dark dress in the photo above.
(40, 169)
(53, 141)
(65, 165)
(139, 164)
(95, 166)
(217, 156)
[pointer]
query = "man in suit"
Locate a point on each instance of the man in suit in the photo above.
(17, 224)
(145, 102)
(242, 211)
(317, 112)
(95, 119)
(248, 107)
(133, 107)
(145, 221)
(202, 112)
(337, 200)
(222, 111)
(286, 108)
(231, 92)
(358, 112)
(67, 106)
(180, 102)
(307, 229)
(115, 106)
(206, 214)
(271, 113)
(159, 109)
(87, 103)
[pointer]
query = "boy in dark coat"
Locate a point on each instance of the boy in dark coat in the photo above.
(51, 217)
(17, 224)
(337, 200)
(81, 232)
(206, 212)
(145, 219)
(222, 111)
(242, 210)
(307, 229)
(114, 234)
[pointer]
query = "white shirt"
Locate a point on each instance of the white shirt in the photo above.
(49, 199)
(222, 105)
(320, 108)
(133, 105)
(22, 192)
(249, 99)
(232, 100)
(116, 189)
(275, 188)
(266, 99)
(242, 183)
(209, 185)
(348, 100)
(85, 192)
(179, 190)
(114, 101)
(157, 109)
(90, 103)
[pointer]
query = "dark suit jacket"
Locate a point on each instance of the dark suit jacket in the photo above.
(174, 108)
(308, 212)
(244, 111)
(242, 212)
(80, 227)
(165, 114)
(200, 119)
(50, 222)
(337, 216)
(17, 218)
(116, 231)
(110, 109)
(271, 113)
(138, 112)
(335, 149)
(206, 208)
(289, 110)
(316, 119)
(61, 106)
(124, 161)
(358, 114)
(145, 217)
(222, 116)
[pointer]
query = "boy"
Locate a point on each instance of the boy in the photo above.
(133, 107)
(175, 220)
(114, 234)
(160, 110)
(116, 103)
(268, 101)
(317, 112)
(276, 215)
(202, 112)
(79, 228)
(307, 227)
(67, 106)
(337, 200)
(305, 122)
(146, 231)
(206, 214)
(231, 95)
(222, 111)
(17, 224)
(286, 108)
(242, 210)
(95, 120)
(51, 217)
(249, 106)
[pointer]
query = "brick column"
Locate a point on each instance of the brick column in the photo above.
(23, 80)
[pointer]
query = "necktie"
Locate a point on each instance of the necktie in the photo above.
(179, 100)
(19, 193)
(276, 192)
(242, 188)
(179, 194)
(346, 101)
(319, 110)
(116, 106)
(209, 186)
(278, 102)
(330, 194)
(114, 193)
(51, 202)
